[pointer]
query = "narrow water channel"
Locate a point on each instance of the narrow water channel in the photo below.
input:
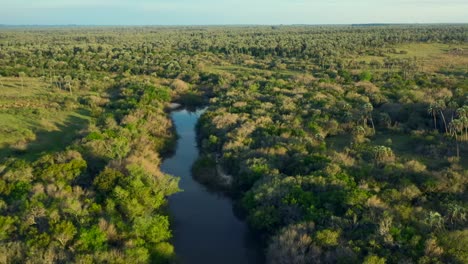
(205, 228)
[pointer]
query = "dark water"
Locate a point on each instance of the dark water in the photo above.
(204, 226)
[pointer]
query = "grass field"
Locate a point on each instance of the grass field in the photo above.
(237, 69)
(434, 56)
(34, 117)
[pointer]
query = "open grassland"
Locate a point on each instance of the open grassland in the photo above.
(234, 69)
(432, 56)
(36, 117)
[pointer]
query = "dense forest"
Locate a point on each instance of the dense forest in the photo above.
(345, 144)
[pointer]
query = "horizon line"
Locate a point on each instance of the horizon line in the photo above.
(233, 24)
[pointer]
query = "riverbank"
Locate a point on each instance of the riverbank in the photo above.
(205, 228)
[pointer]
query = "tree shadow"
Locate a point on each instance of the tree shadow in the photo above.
(49, 141)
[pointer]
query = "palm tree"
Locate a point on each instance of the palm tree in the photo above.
(432, 110)
(456, 126)
(456, 213)
(459, 127)
(368, 108)
(464, 121)
(453, 106)
(435, 219)
(440, 106)
(462, 113)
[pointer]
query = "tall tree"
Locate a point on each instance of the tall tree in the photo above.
(367, 109)
(456, 127)
(440, 106)
(432, 110)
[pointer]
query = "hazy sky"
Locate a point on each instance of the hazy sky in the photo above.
(203, 12)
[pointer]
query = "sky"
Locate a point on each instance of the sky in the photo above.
(220, 12)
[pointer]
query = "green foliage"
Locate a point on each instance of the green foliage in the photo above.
(92, 239)
(265, 218)
(454, 243)
(372, 259)
(359, 129)
(7, 227)
(107, 179)
(64, 231)
(327, 238)
(63, 171)
(19, 191)
(340, 150)
(365, 76)
(56, 194)
(163, 253)
(138, 254)
(153, 229)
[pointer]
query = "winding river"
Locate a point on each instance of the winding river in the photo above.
(205, 228)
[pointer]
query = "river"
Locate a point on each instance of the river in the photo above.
(205, 228)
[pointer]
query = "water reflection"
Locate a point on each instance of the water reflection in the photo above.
(204, 225)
